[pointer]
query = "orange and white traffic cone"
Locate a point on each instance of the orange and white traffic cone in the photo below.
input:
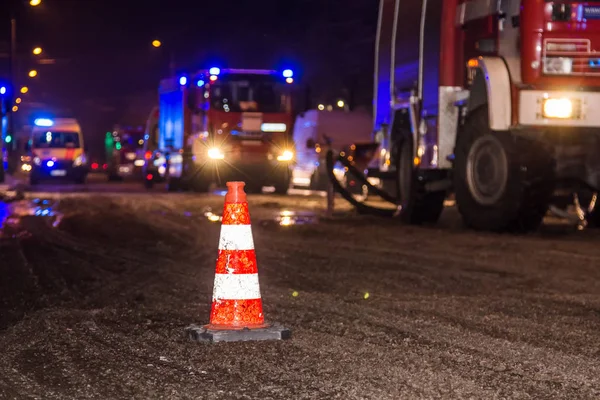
(237, 313)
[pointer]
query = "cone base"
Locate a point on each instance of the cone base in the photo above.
(268, 332)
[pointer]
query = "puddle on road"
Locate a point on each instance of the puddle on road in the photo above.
(209, 215)
(12, 214)
(282, 218)
(288, 218)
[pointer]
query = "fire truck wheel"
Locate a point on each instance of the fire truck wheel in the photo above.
(174, 184)
(418, 206)
(282, 184)
(502, 182)
(200, 185)
(253, 187)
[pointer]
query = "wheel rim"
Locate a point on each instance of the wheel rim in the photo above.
(487, 170)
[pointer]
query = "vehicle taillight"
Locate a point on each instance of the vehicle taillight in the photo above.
(95, 165)
(149, 177)
(148, 155)
(105, 166)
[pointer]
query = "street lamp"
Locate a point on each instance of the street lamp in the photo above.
(33, 73)
(340, 103)
(18, 100)
(24, 89)
(37, 51)
(156, 44)
(35, 2)
(15, 108)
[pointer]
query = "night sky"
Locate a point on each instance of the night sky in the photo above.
(107, 71)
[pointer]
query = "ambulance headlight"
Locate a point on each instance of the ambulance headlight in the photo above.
(37, 161)
(79, 161)
(558, 66)
(216, 154)
(287, 155)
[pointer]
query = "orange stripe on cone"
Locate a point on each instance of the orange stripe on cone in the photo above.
(237, 302)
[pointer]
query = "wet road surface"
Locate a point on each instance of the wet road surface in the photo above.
(95, 306)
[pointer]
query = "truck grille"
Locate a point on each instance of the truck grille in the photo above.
(576, 52)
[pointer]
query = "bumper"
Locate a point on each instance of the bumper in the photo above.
(130, 170)
(59, 171)
(570, 108)
(220, 171)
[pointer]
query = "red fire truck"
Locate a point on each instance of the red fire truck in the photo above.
(219, 125)
(494, 100)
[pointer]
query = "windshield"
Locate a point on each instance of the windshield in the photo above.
(251, 95)
(56, 140)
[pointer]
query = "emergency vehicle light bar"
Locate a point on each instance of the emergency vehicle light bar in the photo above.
(248, 71)
(43, 122)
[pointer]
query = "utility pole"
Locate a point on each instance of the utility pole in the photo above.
(13, 74)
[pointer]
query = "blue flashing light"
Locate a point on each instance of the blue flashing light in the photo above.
(50, 164)
(288, 73)
(200, 83)
(3, 90)
(183, 81)
(43, 122)
(214, 71)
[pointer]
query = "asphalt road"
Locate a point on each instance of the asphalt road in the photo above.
(97, 287)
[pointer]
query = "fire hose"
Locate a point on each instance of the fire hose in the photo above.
(361, 207)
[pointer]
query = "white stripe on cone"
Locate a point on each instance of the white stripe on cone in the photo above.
(236, 287)
(236, 237)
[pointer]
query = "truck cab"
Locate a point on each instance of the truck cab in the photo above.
(56, 148)
(219, 125)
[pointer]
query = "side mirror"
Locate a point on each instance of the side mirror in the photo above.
(310, 144)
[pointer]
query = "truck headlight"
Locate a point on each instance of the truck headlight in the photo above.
(286, 156)
(216, 154)
(558, 65)
(560, 108)
(79, 161)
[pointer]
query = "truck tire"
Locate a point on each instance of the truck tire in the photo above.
(174, 185)
(418, 206)
(282, 183)
(200, 184)
(502, 182)
(253, 187)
